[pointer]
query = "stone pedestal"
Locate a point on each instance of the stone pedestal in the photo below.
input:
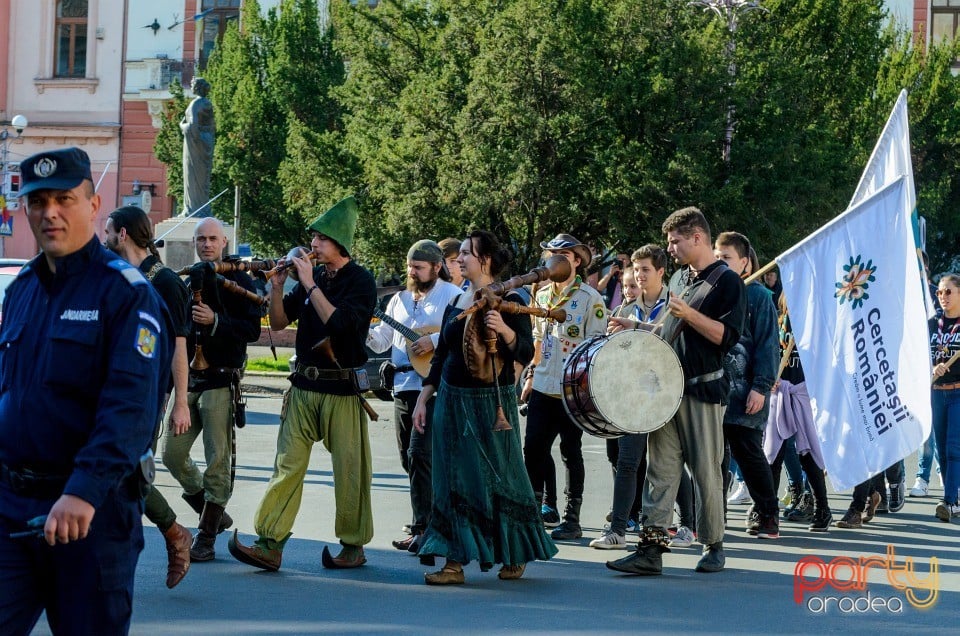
(178, 251)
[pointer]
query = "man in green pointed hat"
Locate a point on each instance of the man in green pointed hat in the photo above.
(333, 302)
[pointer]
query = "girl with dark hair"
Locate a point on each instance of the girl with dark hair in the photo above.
(483, 505)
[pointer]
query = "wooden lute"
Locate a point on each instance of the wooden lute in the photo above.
(420, 363)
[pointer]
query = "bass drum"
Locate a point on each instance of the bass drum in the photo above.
(625, 383)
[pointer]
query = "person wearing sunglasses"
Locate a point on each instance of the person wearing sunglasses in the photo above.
(944, 349)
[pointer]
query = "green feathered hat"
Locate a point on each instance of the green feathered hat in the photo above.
(339, 223)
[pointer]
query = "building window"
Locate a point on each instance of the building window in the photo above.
(71, 38)
(217, 15)
(944, 17)
(945, 22)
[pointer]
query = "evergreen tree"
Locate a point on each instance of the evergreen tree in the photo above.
(268, 79)
(595, 117)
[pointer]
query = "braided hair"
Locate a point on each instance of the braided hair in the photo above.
(137, 224)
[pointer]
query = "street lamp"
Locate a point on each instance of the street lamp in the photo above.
(19, 123)
(730, 11)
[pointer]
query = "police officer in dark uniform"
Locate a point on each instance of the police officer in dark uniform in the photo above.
(85, 346)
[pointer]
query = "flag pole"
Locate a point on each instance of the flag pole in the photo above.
(760, 272)
(949, 364)
(184, 219)
(100, 180)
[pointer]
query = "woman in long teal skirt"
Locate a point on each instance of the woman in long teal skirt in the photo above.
(483, 505)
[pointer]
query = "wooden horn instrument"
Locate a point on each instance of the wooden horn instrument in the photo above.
(236, 266)
(199, 362)
(287, 262)
(556, 268)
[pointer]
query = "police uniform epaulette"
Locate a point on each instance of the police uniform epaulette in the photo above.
(129, 272)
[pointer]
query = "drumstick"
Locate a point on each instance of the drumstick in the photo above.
(949, 364)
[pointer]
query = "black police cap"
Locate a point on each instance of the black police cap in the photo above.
(63, 169)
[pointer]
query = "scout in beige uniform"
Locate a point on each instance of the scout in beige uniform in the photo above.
(553, 343)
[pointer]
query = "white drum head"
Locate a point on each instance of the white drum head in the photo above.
(636, 381)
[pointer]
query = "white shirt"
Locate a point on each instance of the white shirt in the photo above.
(428, 312)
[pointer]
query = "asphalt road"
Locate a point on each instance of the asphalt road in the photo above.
(573, 593)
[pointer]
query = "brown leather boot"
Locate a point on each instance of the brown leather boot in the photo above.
(178, 541)
(255, 555)
(351, 556)
(196, 501)
(210, 519)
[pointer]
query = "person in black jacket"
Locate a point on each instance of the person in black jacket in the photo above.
(751, 366)
(332, 304)
(129, 234)
(223, 324)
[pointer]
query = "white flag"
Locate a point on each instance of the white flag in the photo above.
(856, 306)
(890, 158)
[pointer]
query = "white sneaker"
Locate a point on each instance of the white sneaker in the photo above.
(946, 511)
(683, 539)
(610, 541)
(740, 496)
(920, 488)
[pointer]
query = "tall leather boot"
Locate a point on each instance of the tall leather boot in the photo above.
(196, 501)
(203, 543)
(570, 528)
(178, 553)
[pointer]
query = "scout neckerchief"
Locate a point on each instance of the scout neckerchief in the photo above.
(943, 350)
(565, 295)
(652, 312)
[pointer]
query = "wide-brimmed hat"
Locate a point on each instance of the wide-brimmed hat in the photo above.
(338, 223)
(568, 242)
(63, 169)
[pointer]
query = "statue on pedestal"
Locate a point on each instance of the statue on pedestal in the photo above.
(199, 137)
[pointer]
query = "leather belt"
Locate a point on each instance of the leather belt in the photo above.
(212, 371)
(31, 483)
(946, 387)
(405, 368)
(706, 377)
(315, 373)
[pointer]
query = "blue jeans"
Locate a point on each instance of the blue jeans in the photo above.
(791, 461)
(946, 430)
(925, 463)
(735, 469)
